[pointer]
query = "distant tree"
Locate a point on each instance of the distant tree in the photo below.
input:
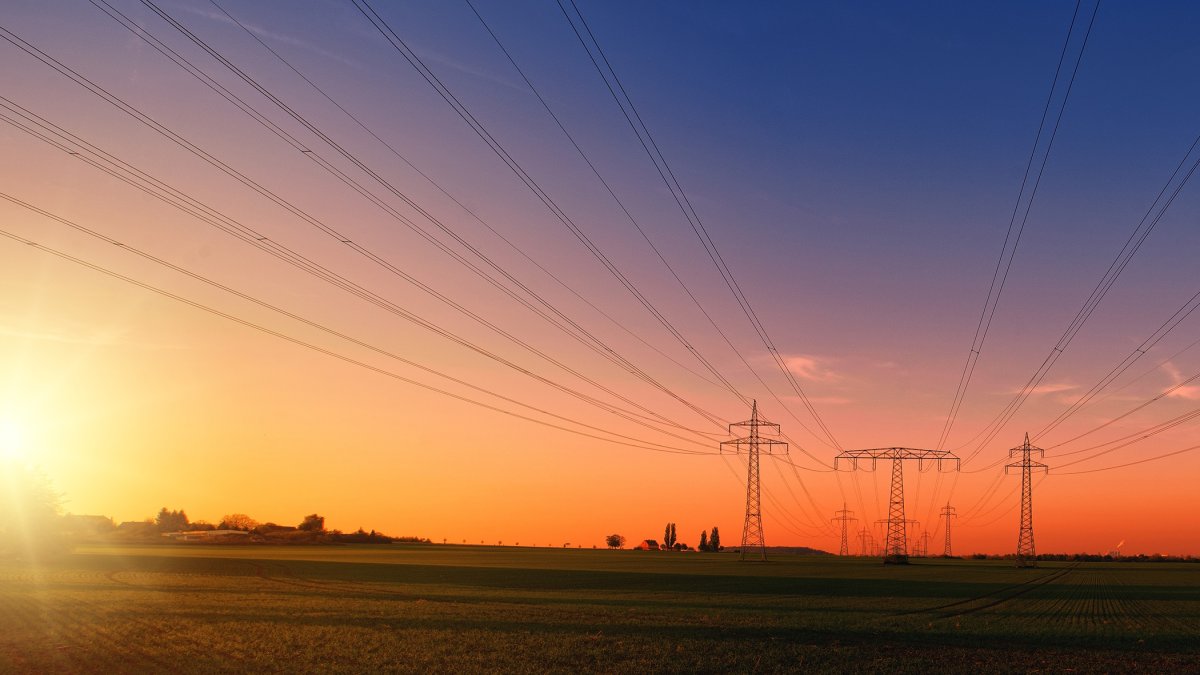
(669, 536)
(615, 540)
(672, 535)
(703, 541)
(680, 546)
(30, 514)
(238, 521)
(714, 540)
(171, 521)
(312, 523)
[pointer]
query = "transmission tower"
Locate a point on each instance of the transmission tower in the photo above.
(844, 517)
(752, 532)
(923, 550)
(895, 547)
(1026, 554)
(947, 513)
(866, 543)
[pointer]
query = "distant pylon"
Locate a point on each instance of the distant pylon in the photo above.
(1026, 553)
(948, 513)
(924, 552)
(866, 543)
(844, 517)
(752, 532)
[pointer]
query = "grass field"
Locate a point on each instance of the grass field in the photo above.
(354, 609)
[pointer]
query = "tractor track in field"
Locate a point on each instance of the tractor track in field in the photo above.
(992, 598)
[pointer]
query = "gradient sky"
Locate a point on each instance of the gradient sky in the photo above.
(856, 165)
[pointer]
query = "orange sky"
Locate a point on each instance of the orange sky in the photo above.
(131, 401)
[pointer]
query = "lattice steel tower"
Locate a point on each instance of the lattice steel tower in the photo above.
(844, 517)
(947, 513)
(1026, 554)
(752, 532)
(895, 547)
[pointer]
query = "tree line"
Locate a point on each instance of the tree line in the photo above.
(708, 541)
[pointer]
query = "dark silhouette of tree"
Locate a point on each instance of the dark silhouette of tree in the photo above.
(714, 540)
(312, 523)
(669, 536)
(703, 541)
(615, 540)
(238, 521)
(171, 521)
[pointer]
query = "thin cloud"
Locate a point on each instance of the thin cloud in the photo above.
(268, 34)
(1049, 388)
(1190, 392)
(810, 368)
(831, 400)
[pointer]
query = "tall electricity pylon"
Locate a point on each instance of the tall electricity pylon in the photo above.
(752, 532)
(886, 526)
(895, 548)
(844, 517)
(947, 513)
(1026, 554)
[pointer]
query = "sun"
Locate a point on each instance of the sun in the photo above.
(12, 440)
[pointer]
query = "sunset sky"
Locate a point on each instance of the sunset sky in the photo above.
(856, 165)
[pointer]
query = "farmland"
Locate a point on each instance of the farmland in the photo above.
(195, 608)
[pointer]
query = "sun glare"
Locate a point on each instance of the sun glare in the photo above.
(12, 440)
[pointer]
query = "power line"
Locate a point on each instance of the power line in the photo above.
(1144, 227)
(571, 328)
(498, 149)
(1165, 393)
(338, 236)
(693, 218)
(1130, 439)
(1004, 262)
(1128, 464)
(322, 350)
(176, 198)
(633, 220)
(1159, 333)
(470, 212)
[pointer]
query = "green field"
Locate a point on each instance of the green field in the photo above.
(354, 609)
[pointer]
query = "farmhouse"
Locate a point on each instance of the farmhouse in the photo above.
(647, 545)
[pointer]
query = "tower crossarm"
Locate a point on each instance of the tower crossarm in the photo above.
(765, 445)
(872, 455)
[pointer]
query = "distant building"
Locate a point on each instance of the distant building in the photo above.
(647, 545)
(87, 526)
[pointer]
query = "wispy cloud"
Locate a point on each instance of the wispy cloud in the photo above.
(831, 400)
(810, 368)
(1190, 392)
(1048, 388)
(269, 34)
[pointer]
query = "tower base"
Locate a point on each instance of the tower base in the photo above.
(895, 559)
